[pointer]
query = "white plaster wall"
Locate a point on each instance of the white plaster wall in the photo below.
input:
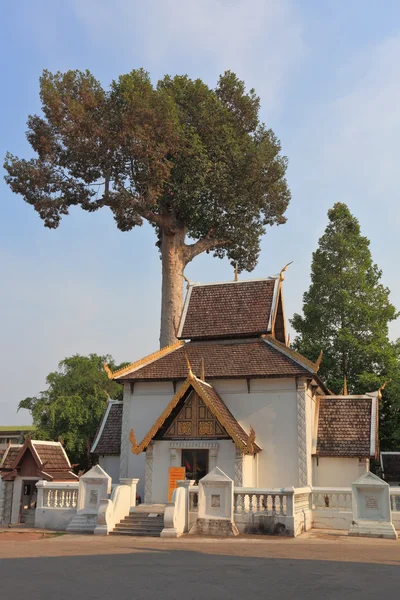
(16, 499)
(56, 519)
(336, 472)
(145, 406)
(111, 466)
(161, 464)
(271, 408)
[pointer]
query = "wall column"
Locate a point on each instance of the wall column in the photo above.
(148, 483)
(302, 446)
(239, 468)
(125, 445)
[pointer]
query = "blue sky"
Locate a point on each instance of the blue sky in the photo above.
(328, 76)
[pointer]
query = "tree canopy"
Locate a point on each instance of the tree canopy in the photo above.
(72, 405)
(195, 162)
(347, 310)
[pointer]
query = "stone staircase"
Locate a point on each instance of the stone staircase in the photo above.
(82, 523)
(146, 520)
(28, 517)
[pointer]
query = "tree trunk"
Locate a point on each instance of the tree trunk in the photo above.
(173, 264)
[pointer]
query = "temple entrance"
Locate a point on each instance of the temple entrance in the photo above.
(28, 502)
(195, 463)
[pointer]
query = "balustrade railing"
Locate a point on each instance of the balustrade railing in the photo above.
(395, 499)
(267, 502)
(336, 499)
(57, 495)
(194, 498)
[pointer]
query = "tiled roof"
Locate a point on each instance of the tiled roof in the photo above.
(108, 438)
(10, 455)
(344, 426)
(61, 475)
(235, 309)
(52, 456)
(222, 359)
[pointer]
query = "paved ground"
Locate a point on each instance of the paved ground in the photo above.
(316, 566)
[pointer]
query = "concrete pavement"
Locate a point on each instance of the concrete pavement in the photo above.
(311, 567)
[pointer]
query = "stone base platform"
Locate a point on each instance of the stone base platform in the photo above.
(373, 529)
(217, 527)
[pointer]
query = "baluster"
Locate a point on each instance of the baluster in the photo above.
(251, 496)
(63, 498)
(273, 504)
(74, 498)
(281, 510)
(258, 498)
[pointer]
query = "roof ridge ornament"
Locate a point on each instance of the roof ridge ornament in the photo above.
(319, 360)
(188, 282)
(382, 388)
(190, 372)
(282, 271)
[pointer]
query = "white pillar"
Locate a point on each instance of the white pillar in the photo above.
(302, 446)
(132, 483)
(148, 482)
(212, 457)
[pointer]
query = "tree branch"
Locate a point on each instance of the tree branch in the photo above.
(205, 243)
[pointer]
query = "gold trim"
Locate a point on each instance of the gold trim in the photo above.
(319, 360)
(282, 272)
(382, 388)
(245, 448)
(143, 361)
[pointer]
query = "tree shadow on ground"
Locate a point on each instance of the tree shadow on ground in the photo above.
(152, 574)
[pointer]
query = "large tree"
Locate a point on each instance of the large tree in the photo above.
(347, 310)
(72, 405)
(195, 162)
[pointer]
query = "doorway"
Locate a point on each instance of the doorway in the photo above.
(195, 463)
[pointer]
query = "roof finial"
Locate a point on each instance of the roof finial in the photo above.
(203, 370)
(187, 281)
(319, 360)
(382, 388)
(282, 273)
(108, 370)
(190, 374)
(236, 275)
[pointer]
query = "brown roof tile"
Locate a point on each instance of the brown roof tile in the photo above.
(110, 436)
(344, 427)
(224, 310)
(223, 359)
(10, 455)
(51, 456)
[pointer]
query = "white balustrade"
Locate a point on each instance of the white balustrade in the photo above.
(194, 498)
(395, 499)
(332, 499)
(57, 495)
(273, 502)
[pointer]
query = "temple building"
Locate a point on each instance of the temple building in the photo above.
(232, 393)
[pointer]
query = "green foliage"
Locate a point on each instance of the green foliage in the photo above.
(73, 404)
(346, 309)
(179, 154)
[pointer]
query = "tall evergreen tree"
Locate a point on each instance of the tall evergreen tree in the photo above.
(347, 310)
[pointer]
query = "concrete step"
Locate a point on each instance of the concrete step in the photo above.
(135, 533)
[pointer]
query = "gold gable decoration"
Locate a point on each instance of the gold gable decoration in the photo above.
(143, 361)
(248, 447)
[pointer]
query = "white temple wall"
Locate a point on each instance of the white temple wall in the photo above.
(145, 405)
(111, 466)
(271, 408)
(337, 471)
